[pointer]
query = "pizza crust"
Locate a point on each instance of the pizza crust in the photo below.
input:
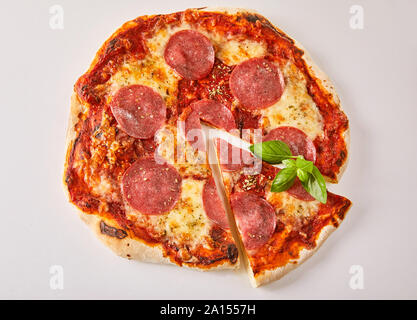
(272, 275)
(126, 247)
(325, 82)
(134, 249)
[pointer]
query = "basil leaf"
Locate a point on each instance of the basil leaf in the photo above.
(302, 175)
(304, 165)
(284, 179)
(271, 151)
(289, 163)
(315, 185)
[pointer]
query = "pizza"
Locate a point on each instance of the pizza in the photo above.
(137, 163)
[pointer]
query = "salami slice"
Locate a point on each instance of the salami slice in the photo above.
(296, 139)
(255, 218)
(139, 110)
(214, 113)
(193, 131)
(150, 187)
(232, 158)
(190, 54)
(256, 83)
(297, 191)
(213, 205)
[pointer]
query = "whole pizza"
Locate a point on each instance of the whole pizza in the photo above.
(137, 167)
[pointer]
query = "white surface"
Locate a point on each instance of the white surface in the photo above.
(374, 71)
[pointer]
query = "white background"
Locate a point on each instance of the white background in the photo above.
(374, 71)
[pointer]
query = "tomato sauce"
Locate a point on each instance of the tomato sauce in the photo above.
(285, 246)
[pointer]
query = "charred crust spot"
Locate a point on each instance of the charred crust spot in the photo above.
(112, 231)
(342, 154)
(68, 179)
(252, 18)
(339, 162)
(207, 261)
(298, 51)
(74, 145)
(232, 253)
(111, 45)
(342, 212)
(88, 203)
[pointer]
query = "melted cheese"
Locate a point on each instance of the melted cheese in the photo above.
(292, 211)
(188, 219)
(296, 108)
(186, 222)
(152, 72)
(104, 186)
(234, 51)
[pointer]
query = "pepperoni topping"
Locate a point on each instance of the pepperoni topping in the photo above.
(232, 158)
(139, 110)
(214, 113)
(190, 54)
(297, 191)
(257, 83)
(296, 139)
(255, 218)
(150, 187)
(213, 205)
(193, 131)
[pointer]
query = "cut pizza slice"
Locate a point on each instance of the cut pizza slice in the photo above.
(278, 231)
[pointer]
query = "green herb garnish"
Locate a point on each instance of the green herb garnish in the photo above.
(276, 152)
